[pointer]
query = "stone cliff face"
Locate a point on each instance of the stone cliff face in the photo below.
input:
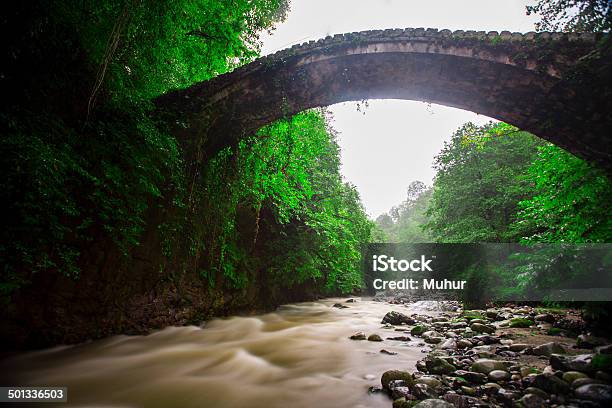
(115, 294)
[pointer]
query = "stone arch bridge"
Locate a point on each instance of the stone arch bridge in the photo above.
(555, 85)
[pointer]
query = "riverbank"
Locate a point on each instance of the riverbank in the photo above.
(515, 356)
(302, 355)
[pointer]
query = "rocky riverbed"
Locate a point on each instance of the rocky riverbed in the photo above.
(514, 356)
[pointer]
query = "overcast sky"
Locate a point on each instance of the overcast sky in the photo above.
(395, 142)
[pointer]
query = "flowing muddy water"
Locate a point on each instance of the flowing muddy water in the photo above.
(297, 356)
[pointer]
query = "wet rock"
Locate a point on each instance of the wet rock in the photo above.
(581, 362)
(430, 381)
(492, 314)
(579, 382)
(423, 391)
(457, 400)
(545, 317)
(396, 318)
(518, 347)
(351, 301)
(448, 344)
(536, 391)
(499, 375)
(437, 365)
(340, 306)
(532, 401)
(601, 393)
(374, 337)
(473, 377)
(458, 325)
(485, 366)
(393, 375)
(374, 390)
(402, 392)
(461, 344)
(468, 390)
(390, 353)
(486, 339)
(586, 341)
(551, 384)
(547, 349)
(571, 376)
(478, 321)
(491, 388)
(431, 334)
(399, 338)
(402, 403)
(508, 395)
(525, 371)
(482, 328)
(418, 330)
(358, 336)
(434, 403)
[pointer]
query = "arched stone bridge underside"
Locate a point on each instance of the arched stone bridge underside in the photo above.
(554, 85)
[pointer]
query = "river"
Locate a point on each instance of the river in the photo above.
(298, 356)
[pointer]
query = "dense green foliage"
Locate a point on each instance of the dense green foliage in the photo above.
(404, 223)
(570, 200)
(497, 184)
(88, 169)
(479, 181)
(290, 170)
(572, 15)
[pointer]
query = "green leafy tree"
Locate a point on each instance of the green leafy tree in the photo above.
(406, 222)
(572, 15)
(570, 200)
(479, 181)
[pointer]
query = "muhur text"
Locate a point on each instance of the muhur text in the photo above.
(383, 263)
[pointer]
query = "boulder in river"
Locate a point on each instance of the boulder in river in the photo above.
(418, 330)
(394, 375)
(396, 318)
(358, 336)
(399, 338)
(437, 365)
(374, 337)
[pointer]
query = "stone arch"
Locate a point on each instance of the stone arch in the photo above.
(555, 85)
